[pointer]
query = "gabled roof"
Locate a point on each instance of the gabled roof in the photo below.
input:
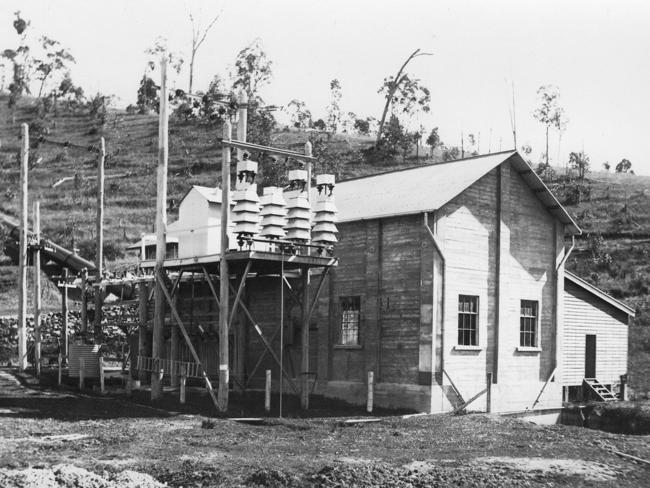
(597, 292)
(212, 195)
(429, 187)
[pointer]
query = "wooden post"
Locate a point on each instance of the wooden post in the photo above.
(242, 121)
(22, 260)
(267, 392)
(100, 239)
(82, 367)
(101, 375)
(183, 381)
(371, 391)
(488, 400)
(174, 349)
(84, 303)
(304, 380)
(161, 233)
(142, 327)
(222, 394)
(37, 288)
(60, 369)
(624, 393)
(64, 312)
(304, 387)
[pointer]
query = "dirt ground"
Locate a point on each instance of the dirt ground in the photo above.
(51, 437)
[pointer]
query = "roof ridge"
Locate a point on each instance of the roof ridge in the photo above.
(437, 163)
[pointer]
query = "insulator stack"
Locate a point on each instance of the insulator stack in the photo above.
(246, 213)
(274, 213)
(299, 212)
(324, 231)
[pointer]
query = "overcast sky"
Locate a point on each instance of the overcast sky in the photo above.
(596, 52)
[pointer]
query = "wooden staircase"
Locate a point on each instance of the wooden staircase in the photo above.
(601, 391)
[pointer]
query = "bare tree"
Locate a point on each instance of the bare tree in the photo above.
(198, 36)
(392, 87)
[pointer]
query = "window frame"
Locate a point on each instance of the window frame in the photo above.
(525, 322)
(475, 327)
(353, 300)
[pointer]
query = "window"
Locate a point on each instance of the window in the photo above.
(467, 320)
(528, 324)
(350, 320)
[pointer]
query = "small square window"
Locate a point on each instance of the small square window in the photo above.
(528, 323)
(467, 320)
(350, 321)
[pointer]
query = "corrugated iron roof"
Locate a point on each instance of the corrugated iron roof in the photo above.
(428, 188)
(599, 293)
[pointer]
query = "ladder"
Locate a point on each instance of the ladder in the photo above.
(604, 393)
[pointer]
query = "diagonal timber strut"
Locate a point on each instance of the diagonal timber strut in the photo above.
(181, 326)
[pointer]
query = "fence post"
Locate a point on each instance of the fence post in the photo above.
(82, 366)
(624, 391)
(101, 375)
(183, 380)
(60, 368)
(371, 391)
(488, 399)
(267, 392)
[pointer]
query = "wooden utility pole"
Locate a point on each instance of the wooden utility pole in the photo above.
(158, 346)
(224, 281)
(22, 259)
(174, 347)
(242, 121)
(100, 239)
(37, 288)
(64, 312)
(304, 380)
(143, 315)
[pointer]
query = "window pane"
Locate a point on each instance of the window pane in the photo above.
(467, 320)
(350, 320)
(528, 323)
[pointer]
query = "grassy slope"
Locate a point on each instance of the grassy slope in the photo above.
(619, 206)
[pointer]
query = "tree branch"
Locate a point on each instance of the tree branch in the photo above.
(389, 96)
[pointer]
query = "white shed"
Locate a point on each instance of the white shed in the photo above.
(198, 228)
(595, 335)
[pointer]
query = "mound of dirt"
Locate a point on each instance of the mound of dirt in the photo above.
(68, 476)
(379, 475)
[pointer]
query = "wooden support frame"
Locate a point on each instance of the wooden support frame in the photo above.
(247, 146)
(211, 286)
(311, 309)
(240, 289)
(37, 288)
(267, 345)
(306, 318)
(190, 346)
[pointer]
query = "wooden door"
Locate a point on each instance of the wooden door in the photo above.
(590, 356)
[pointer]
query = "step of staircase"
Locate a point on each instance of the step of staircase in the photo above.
(600, 390)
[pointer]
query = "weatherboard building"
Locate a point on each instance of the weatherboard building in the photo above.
(450, 287)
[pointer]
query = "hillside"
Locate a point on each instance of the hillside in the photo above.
(613, 211)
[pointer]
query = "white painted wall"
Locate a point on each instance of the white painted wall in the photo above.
(586, 314)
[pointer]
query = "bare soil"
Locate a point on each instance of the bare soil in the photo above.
(63, 438)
